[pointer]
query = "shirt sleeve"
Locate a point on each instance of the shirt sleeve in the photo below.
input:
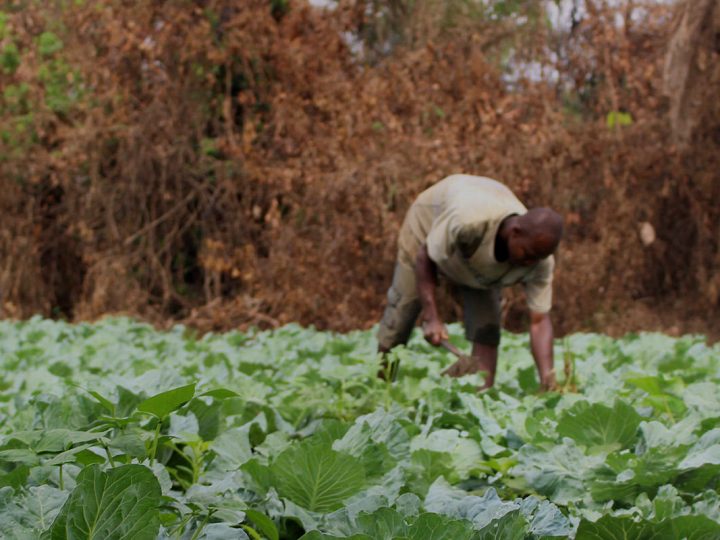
(449, 236)
(538, 286)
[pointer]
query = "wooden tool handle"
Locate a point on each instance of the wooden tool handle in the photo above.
(452, 348)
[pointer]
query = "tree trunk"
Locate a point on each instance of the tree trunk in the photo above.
(692, 71)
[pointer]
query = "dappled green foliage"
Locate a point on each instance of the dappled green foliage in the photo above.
(277, 434)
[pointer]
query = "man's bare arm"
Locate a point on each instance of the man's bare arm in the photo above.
(541, 344)
(426, 274)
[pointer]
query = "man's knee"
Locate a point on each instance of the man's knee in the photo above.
(389, 337)
(398, 320)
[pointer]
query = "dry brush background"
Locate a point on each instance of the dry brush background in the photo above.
(249, 163)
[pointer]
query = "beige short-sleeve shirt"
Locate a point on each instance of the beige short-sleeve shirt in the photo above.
(458, 218)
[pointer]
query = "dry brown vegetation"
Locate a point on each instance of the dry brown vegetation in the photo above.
(232, 163)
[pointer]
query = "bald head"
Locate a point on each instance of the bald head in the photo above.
(543, 227)
(532, 236)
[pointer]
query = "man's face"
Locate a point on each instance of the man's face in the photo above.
(525, 251)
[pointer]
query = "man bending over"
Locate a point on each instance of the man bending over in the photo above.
(474, 232)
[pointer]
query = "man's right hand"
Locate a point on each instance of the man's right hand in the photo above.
(435, 331)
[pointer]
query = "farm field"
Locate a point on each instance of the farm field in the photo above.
(116, 431)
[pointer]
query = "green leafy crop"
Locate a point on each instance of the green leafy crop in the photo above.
(116, 431)
(121, 503)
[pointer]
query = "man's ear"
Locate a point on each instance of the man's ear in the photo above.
(516, 231)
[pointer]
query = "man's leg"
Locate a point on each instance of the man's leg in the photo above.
(481, 309)
(485, 359)
(401, 312)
